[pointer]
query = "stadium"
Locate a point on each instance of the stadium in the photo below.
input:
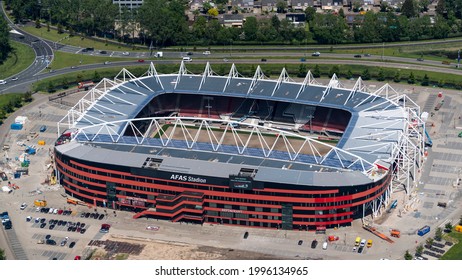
(243, 151)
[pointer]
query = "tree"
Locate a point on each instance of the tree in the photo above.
(37, 23)
(2, 255)
(213, 12)
(310, 12)
(250, 28)
(302, 71)
(440, 8)
(96, 76)
(281, 6)
(448, 227)
(50, 87)
(334, 70)
(397, 77)
(423, 5)
(409, 8)
(163, 21)
(419, 250)
(425, 81)
(429, 241)
(381, 75)
(438, 234)
(316, 72)
(407, 255)
(5, 47)
(349, 74)
(27, 96)
(411, 79)
(366, 75)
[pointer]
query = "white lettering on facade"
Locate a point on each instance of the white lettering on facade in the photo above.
(185, 178)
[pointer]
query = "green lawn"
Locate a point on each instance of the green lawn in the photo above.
(455, 253)
(77, 41)
(6, 98)
(19, 59)
(63, 60)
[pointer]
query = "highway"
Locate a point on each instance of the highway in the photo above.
(44, 56)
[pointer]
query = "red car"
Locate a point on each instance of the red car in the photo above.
(77, 258)
(140, 60)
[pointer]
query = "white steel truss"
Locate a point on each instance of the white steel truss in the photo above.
(269, 139)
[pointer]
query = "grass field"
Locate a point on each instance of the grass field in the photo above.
(6, 98)
(19, 59)
(77, 41)
(63, 60)
(455, 253)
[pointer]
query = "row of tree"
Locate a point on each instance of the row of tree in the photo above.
(164, 23)
(5, 47)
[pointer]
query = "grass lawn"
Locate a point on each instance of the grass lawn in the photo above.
(63, 60)
(455, 253)
(74, 40)
(18, 60)
(6, 98)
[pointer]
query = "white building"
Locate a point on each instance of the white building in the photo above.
(128, 3)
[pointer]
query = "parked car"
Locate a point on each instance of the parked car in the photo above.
(77, 258)
(314, 243)
(23, 206)
(300, 242)
(246, 234)
(105, 228)
(48, 236)
(42, 225)
(72, 244)
(50, 242)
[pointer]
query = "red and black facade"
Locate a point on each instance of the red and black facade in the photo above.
(237, 200)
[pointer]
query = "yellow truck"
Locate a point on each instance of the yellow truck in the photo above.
(40, 203)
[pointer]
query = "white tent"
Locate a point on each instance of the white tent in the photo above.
(20, 119)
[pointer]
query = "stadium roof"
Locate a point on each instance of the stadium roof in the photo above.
(377, 124)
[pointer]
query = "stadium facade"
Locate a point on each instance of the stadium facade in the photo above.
(205, 148)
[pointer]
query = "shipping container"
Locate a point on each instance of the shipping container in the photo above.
(16, 126)
(458, 228)
(423, 231)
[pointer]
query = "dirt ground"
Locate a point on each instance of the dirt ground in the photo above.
(163, 250)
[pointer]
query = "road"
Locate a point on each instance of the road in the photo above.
(43, 51)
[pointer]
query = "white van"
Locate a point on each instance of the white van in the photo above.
(363, 243)
(187, 58)
(324, 246)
